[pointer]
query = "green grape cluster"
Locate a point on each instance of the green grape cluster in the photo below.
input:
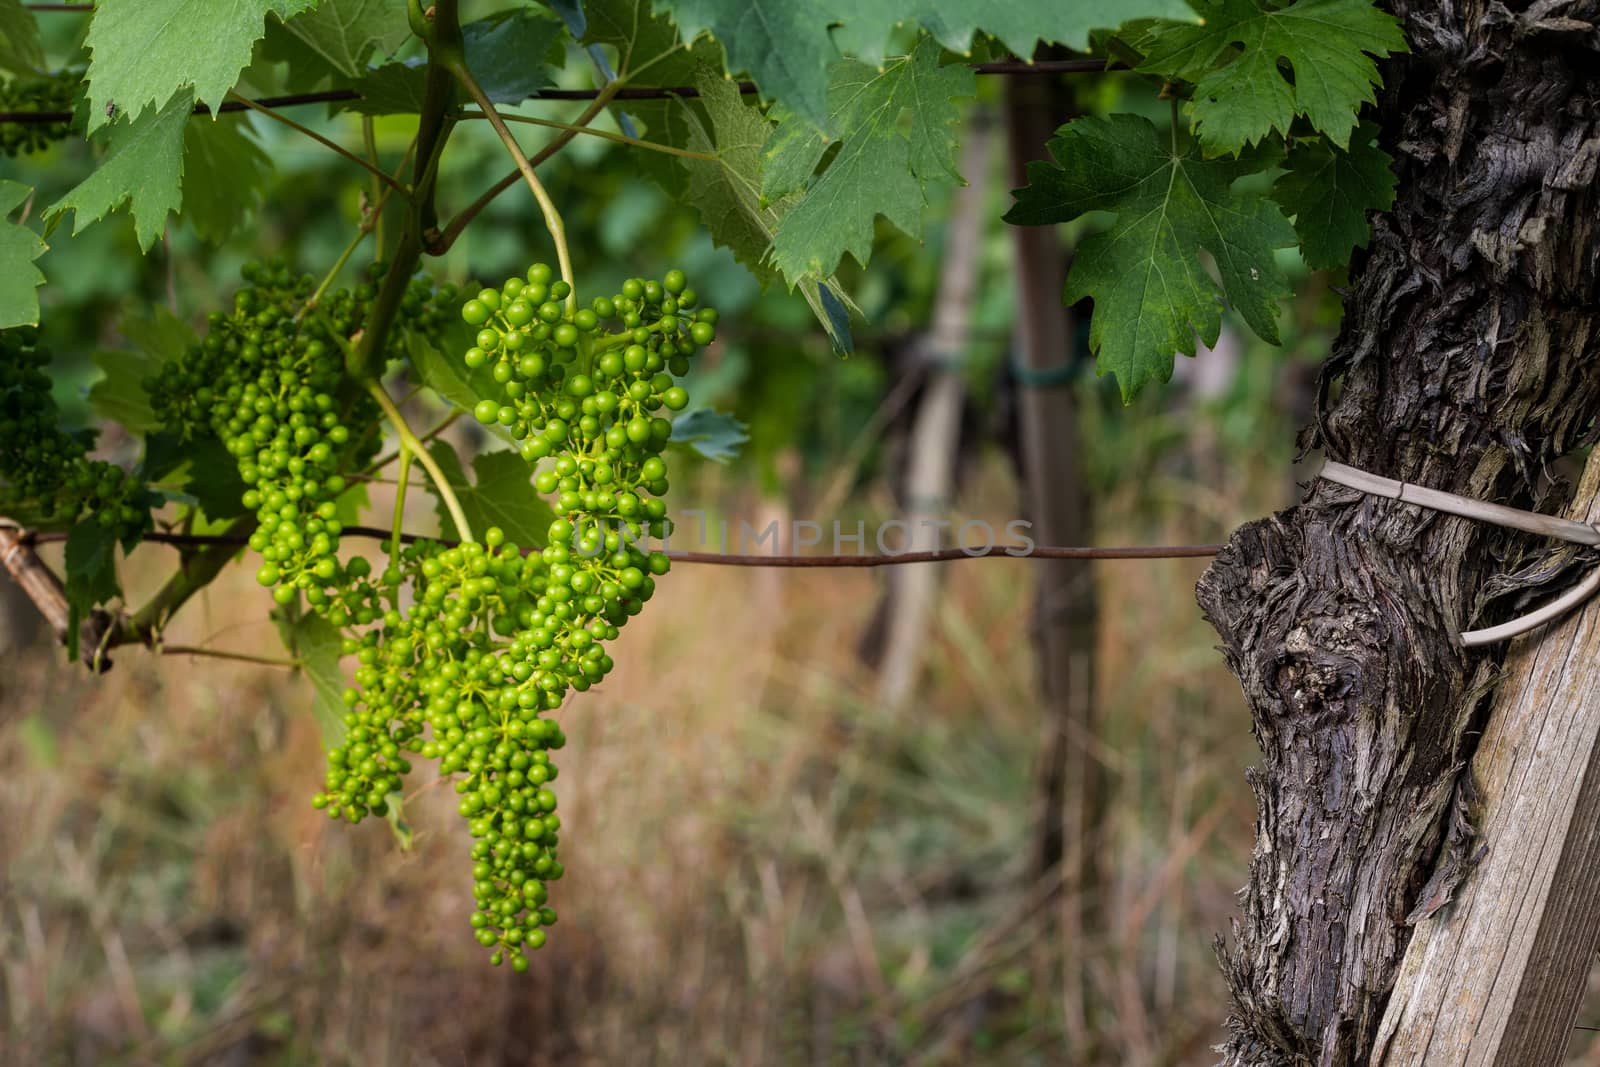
(45, 472)
(59, 93)
(460, 650)
(269, 382)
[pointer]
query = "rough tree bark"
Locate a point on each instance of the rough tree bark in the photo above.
(1467, 362)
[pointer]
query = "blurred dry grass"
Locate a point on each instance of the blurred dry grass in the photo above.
(763, 867)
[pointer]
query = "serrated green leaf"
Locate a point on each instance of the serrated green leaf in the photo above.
(316, 644)
(143, 169)
(143, 52)
(20, 50)
(225, 175)
(1151, 291)
(784, 44)
(503, 496)
(1242, 89)
(1018, 24)
(648, 45)
(347, 33)
(711, 434)
(509, 53)
(19, 247)
(879, 169)
(1329, 192)
(727, 193)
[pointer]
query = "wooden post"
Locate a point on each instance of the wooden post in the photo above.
(1069, 805)
(936, 432)
(1496, 976)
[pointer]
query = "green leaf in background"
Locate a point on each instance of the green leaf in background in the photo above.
(727, 192)
(119, 393)
(19, 247)
(784, 44)
(20, 50)
(1018, 24)
(145, 51)
(225, 175)
(510, 54)
(1151, 291)
(91, 573)
(316, 644)
(347, 33)
(649, 42)
(143, 168)
(712, 434)
(1242, 91)
(212, 478)
(880, 168)
(163, 336)
(1329, 192)
(503, 496)
(441, 369)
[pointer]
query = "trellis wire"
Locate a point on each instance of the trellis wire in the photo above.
(1011, 67)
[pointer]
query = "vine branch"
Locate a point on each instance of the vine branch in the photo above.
(376, 172)
(409, 441)
(456, 64)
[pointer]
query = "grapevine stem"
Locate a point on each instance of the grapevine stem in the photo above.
(442, 244)
(552, 217)
(217, 653)
(377, 196)
(404, 475)
(634, 142)
(409, 441)
(315, 136)
(444, 424)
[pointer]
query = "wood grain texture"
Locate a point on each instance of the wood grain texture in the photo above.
(1497, 976)
(1465, 363)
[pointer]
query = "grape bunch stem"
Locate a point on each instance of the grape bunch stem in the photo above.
(409, 442)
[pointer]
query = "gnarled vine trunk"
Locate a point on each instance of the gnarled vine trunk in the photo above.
(1468, 361)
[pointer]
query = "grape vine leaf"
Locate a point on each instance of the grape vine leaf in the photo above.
(317, 645)
(711, 434)
(879, 170)
(143, 168)
(1018, 24)
(727, 193)
(347, 33)
(225, 176)
(439, 367)
(20, 50)
(1151, 292)
(503, 496)
(789, 46)
(646, 41)
(19, 247)
(784, 44)
(91, 573)
(144, 51)
(1329, 192)
(510, 54)
(119, 393)
(213, 479)
(1242, 92)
